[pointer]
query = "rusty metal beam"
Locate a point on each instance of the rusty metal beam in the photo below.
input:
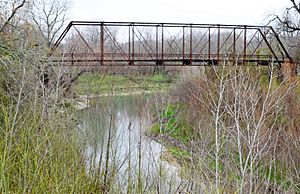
(173, 43)
(133, 42)
(101, 44)
(191, 44)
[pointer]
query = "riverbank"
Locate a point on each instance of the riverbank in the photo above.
(93, 83)
(82, 101)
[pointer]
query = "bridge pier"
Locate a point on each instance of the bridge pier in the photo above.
(288, 71)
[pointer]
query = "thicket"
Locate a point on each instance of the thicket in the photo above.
(40, 148)
(235, 129)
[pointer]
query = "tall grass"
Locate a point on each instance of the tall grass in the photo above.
(40, 150)
(42, 157)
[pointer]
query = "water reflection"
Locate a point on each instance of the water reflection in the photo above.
(114, 128)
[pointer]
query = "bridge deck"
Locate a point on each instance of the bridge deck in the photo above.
(168, 60)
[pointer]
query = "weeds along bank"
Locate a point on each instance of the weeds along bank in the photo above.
(40, 150)
(234, 129)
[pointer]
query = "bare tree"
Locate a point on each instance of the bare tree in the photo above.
(288, 24)
(8, 11)
(290, 19)
(49, 16)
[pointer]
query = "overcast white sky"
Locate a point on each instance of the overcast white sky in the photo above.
(190, 11)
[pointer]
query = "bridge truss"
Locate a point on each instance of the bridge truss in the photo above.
(86, 43)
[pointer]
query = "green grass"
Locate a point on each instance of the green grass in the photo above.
(42, 156)
(96, 83)
(172, 126)
(179, 153)
(40, 147)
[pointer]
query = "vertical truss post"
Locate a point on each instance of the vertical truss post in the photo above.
(101, 43)
(191, 44)
(245, 43)
(183, 44)
(219, 37)
(209, 43)
(132, 60)
(72, 59)
(162, 44)
(234, 44)
(258, 47)
(156, 44)
(129, 45)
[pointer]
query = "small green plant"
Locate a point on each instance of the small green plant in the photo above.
(169, 124)
(180, 153)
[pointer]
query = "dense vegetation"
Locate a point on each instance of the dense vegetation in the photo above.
(235, 129)
(231, 129)
(40, 150)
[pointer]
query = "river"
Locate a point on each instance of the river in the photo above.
(114, 130)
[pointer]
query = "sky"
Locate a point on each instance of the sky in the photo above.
(251, 12)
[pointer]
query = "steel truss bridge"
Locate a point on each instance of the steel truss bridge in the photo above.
(87, 43)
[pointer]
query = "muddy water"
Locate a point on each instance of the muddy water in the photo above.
(114, 129)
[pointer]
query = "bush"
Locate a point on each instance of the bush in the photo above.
(242, 123)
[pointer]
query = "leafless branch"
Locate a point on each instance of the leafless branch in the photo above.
(49, 17)
(15, 8)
